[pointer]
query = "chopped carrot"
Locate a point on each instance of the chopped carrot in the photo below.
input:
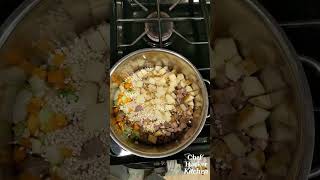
(28, 176)
(58, 59)
(56, 77)
(27, 67)
(127, 85)
(136, 127)
(42, 74)
(116, 79)
(13, 57)
(19, 154)
(33, 124)
(25, 142)
(59, 121)
(34, 105)
(115, 110)
(44, 45)
(66, 152)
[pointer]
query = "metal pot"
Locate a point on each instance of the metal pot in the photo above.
(259, 37)
(150, 58)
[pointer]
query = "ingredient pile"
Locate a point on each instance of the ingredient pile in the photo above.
(60, 110)
(154, 105)
(254, 121)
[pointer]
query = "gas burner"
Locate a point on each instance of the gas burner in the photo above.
(153, 32)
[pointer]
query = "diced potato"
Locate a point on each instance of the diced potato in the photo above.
(256, 159)
(226, 48)
(183, 83)
(169, 107)
(88, 94)
(191, 103)
(95, 40)
(263, 101)
(139, 84)
(251, 86)
(183, 107)
(233, 72)
(259, 131)
(96, 117)
(157, 68)
(188, 88)
(20, 106)
(95, 71)
(36, 146)
(141, 63)
(180, 77)
(53, 155)
(251, 115)
(170, 99)
(104, 30)
(249, 67)
(172, 77)
(152, 139)
(236, 59)
(188, 98)
(160, 91)
(272, 79)
(235, 145)
(152, 81)
(218, 61)
(38, 86)
(162, 71)
(284, 114)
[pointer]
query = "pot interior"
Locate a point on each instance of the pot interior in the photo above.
(151, 58)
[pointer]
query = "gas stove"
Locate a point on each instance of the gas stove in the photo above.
(177, 25)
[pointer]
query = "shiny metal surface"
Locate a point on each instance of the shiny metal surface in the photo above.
(259, 37)
(127, 65)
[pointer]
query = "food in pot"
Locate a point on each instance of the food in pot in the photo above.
(59, 110)
(254, 122)
(153, 105)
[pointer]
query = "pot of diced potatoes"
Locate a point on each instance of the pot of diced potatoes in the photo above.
(159, 103)
(263, 126)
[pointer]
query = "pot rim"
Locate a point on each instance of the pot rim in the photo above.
(181, 147)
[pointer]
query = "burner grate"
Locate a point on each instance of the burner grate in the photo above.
(122, 18)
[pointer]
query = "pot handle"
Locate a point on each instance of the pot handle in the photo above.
(208, 82)
(315, 64)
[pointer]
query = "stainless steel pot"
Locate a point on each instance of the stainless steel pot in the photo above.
(259, 37)
(162, 57)
(30, 33)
